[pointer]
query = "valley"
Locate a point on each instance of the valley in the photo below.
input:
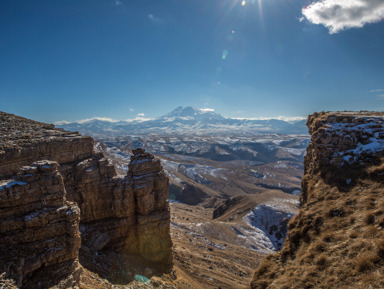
(232, 191)
(231, 198)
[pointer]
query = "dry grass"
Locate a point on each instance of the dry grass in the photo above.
(371, 232)
(6, 283)
(336, 241)
(353, 234)
(369, 218)
(365, 262)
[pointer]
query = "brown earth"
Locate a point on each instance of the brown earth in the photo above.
(208, 250)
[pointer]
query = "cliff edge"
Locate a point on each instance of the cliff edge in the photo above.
(55, 190)
(337, 238)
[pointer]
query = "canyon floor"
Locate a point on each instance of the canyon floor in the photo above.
(208, 260)
(208, 253)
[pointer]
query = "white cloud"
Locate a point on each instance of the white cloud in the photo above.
(376, 90)
(207, 109)
(62, 122)
(155, 19)
(131, 109)
(291, 118)
(86, 120)
(138, 119)
(140, 114)
(285, 118)
(338, 15)
(381, 96)
(97, 118)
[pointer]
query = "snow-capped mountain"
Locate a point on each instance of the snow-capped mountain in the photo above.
(185, 120)
(191, 113)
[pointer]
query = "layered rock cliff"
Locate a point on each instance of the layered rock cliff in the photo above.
(121, 218)
(39, 229)
(337, 239)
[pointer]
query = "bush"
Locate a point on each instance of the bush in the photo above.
(366, 261)
(321, 260)
(369, 219)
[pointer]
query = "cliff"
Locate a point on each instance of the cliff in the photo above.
(55, 187)
(337, 239)
(39, 228)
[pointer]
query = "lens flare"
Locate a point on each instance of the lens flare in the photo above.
(224, 54)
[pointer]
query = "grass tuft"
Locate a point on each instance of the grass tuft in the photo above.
(365, 261)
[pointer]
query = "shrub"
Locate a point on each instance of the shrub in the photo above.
(380, 248)
(369, 219)
(366, 261)
(353, 235)
(370, 232)
(327, 237)
(321, 260)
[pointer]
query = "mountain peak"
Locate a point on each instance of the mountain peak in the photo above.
(192, 112)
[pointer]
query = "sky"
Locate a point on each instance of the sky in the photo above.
(121, 59)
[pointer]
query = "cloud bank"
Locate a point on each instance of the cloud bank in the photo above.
(207, 109)
(87, 120)
(338, 15)
(284, 118)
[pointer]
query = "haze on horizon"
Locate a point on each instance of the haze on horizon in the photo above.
(119, 59)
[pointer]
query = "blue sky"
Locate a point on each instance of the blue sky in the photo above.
(77, 59)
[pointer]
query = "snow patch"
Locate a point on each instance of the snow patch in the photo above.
(10, 183)
(270, 225)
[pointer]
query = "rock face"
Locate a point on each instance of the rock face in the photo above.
(23, 141)
(150, 186)
(337, 239)
(127, 217)
(39, 228)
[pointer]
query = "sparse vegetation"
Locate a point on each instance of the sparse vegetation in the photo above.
(6, 283)
(365, 261)
(344, 223)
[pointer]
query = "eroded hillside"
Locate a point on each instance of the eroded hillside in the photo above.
(337, 239)
(54, 187)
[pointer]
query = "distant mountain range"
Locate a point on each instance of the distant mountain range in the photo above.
(186, 120)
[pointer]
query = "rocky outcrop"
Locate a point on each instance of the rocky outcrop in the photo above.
(23, 141)
(40, 237)
(124, 217)
(150, 186)
(337, 239)
(128, 215)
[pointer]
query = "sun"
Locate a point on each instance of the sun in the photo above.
(253, 2)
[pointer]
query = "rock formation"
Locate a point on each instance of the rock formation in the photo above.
(124, 217)
(39, 228)
(337, 239)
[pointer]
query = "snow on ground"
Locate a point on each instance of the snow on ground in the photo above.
(294, 151)
(370, 133)
(197, 173)
(9, 183)
(281, 165)
(270, 225)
